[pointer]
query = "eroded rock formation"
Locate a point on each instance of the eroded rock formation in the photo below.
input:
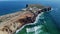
(28, 15)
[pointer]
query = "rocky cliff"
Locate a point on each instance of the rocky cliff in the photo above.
(11, 22)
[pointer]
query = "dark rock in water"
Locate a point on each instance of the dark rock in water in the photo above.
(49, 8)
(26, 5)
(45, 9)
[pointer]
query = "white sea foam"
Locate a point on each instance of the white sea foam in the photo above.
(35, 30)
(52, 9)
(31, 23)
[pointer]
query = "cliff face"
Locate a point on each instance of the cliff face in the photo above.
(27, 15)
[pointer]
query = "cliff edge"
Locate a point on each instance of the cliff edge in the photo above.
(11, 22)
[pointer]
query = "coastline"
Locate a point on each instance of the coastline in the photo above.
(17, 21)
(29, 23)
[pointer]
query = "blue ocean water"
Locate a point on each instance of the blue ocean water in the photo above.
(7, 7)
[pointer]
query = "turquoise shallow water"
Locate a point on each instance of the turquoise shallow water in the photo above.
(7, 7)
(43, 25)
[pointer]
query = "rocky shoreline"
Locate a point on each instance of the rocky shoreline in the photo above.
(29, 23)
(11, 22)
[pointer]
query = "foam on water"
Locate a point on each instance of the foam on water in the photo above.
(37, 18)
(35, 30)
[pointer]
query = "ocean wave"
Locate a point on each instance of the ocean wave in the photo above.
(37, 18)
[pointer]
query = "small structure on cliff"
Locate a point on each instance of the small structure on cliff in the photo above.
(19, 19)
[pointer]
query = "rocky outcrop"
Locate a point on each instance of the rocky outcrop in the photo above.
(28, 15)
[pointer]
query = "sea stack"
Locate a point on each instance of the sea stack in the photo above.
(11, 22)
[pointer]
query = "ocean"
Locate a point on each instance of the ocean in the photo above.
(7, 7)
